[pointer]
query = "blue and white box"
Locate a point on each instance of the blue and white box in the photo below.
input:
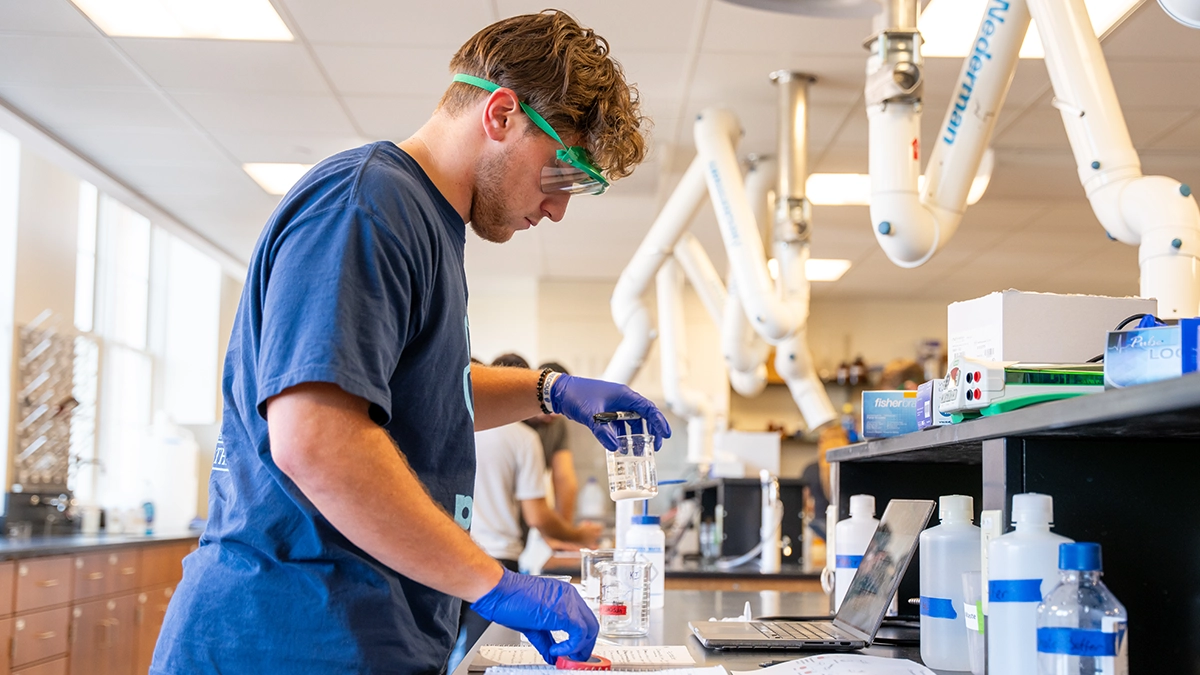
(928, 397)
(1144, 355)
(889, 413)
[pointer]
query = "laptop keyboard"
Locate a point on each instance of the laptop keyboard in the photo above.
(797, 630)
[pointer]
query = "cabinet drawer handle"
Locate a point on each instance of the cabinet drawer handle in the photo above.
(128, 570)
(47, 583)
(95, 576)
(48, 635)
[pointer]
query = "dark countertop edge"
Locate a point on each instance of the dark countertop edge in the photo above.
(1053, 418)
(36, 547)
(739, 574)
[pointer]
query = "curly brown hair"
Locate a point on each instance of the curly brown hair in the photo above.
(564, 72)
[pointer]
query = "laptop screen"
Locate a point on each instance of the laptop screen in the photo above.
(883, 564)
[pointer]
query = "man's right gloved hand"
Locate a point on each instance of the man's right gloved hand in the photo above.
(537, 605)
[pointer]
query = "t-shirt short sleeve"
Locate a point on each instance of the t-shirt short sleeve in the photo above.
(531, 467)
(336, 308)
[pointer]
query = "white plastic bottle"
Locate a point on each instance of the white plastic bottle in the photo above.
(646, 537)
(591, 499)
(852, 537)
(947, 551)
(1022, 568)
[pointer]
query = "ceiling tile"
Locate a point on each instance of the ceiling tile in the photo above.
(54, 61)
(734, 28)
(387, 71)
(1186, 136)
(267, 113)
(142, 145)
(745, 78)
(394, 117)
(43, 16)
(220, 65)
(389, 22)
(301, 148)
(86, 108)
(1140, 83)
(1151, 34)
(627, 25)
(213, 179)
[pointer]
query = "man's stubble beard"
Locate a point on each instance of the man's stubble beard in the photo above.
(488, 209)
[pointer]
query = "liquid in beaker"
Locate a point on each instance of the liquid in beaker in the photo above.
(631, 472)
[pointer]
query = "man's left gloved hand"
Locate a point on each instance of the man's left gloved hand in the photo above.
(580, 398)
(537, 605)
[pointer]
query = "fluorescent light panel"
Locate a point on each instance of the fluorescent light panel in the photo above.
(854, 189)
(276, 179)
(948, 27)
(815, 269)
(210, 19)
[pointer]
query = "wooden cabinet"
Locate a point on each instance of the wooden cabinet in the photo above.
(103, 636)
(94, 613)
(43, 582)
(151, 609)
(39, 635)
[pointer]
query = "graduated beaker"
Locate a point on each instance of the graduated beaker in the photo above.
(631, 472)
(624, 597)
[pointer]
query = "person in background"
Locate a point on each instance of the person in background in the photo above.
(510, 487)
(553, 431)
(343, 476)
(815, 478)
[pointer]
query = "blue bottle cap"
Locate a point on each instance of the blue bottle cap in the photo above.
(646, 520)
(1084, 557)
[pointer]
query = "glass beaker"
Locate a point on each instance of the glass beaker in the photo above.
(624, 597)
(631, 472)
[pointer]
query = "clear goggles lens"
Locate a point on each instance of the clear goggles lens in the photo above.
(559, 177)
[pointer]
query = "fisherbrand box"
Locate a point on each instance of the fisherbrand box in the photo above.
(888, 413)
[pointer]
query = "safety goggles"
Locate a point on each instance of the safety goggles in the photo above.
(571, 171)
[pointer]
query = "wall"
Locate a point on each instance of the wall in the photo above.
(48, 223)
(10, 167)
(879, 331)
(503, 312)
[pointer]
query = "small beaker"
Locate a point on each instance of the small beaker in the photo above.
(624, 597)
(631, 472)
(973, 614)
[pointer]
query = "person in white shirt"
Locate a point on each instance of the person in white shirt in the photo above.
(510, 469)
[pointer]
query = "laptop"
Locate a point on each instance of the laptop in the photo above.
(862, 610)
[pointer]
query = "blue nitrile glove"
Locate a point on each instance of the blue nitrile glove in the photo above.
(580, 398)
(537, 605)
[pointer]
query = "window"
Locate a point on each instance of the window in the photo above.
(85, 258)
(10, 162)
(193, 306)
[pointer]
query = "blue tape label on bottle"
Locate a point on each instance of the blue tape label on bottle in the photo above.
(848, 561)
(938, 608)
(1015, 590)
(1076, 642)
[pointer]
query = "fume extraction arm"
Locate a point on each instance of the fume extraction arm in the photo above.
(1156, 213)
(752, 309)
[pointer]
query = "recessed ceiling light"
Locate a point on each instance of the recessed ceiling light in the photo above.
(211, 19)
(948, 27)
(854, 189)
(825, 269)
(276, 179)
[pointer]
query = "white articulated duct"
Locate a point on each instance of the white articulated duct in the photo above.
(716, 135)
(681, 399)
(793, 360)
(744, 351)
(628, 310)
(1154, 212)
(700, 273)
(911, 226)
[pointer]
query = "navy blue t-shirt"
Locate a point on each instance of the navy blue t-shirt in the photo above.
(357, 280)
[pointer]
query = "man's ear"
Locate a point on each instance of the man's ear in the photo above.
(500, 111)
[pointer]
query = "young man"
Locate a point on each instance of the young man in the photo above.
(342, 484)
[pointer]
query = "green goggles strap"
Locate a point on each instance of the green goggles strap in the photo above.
(575, 156)
(533, 114)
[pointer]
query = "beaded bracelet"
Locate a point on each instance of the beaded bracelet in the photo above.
(541, 390)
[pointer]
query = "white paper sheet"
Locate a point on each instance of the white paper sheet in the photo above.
(528, 670)
(663, 656)
(842, 664)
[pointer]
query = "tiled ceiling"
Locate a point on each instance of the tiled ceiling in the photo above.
(175, 119)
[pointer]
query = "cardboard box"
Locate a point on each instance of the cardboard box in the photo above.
(1144, 355)
(888, 413)
(1037, 327)
(929, 395)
